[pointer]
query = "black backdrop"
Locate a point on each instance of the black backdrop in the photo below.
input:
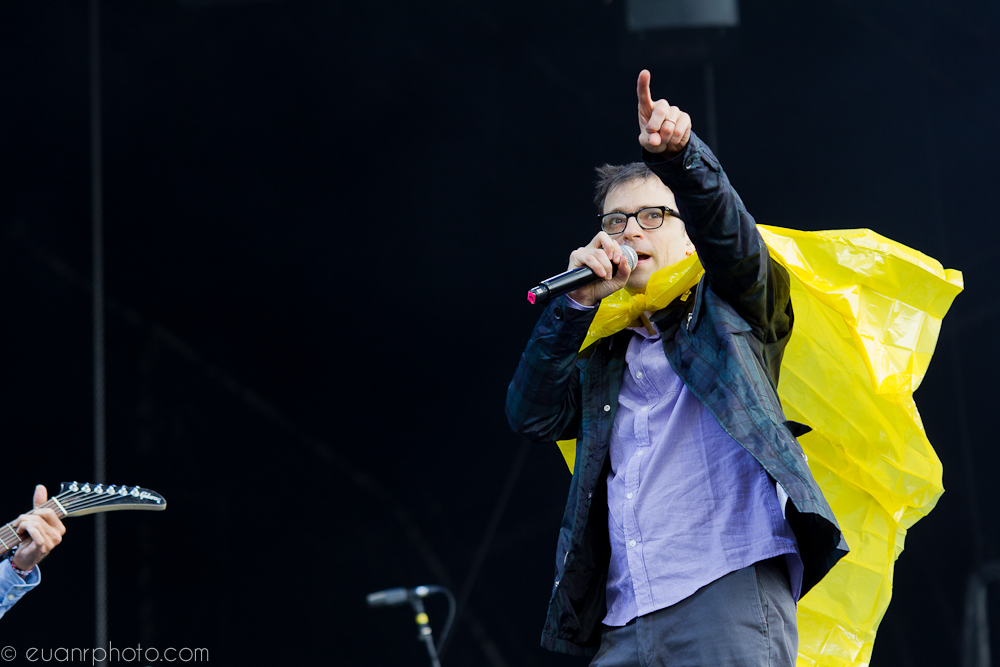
(320, 222)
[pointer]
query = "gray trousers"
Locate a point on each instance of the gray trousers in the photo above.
(744, 619)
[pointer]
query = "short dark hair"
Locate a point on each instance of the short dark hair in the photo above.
(612, 175)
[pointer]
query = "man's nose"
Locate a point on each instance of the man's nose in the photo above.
(631, 227)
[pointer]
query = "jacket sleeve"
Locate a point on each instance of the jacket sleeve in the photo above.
(543, 399)
(13, 587)
(737, 263)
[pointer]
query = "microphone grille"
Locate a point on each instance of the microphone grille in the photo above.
(630, 256)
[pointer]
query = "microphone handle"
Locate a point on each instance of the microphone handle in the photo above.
(567, 281)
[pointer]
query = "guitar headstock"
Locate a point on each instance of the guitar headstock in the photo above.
(78, 499)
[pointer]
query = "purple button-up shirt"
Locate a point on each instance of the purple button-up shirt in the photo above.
(687, 504)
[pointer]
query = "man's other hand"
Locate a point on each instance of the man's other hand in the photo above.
(41, 530)
(662, 128)
(600, 255)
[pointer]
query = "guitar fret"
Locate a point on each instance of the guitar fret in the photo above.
(13, 537)
(61, 508)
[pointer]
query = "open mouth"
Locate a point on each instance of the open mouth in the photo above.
(642, 257)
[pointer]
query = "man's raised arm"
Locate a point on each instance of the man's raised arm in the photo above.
(734, 255)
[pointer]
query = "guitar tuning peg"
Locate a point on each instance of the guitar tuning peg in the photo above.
(135, 492)
(99, 488)
(86, 487)
(111, 490)
(122, 491)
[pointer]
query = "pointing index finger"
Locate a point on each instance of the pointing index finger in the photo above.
(642, 91)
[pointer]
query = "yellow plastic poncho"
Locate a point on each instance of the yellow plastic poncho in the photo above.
(868, 312)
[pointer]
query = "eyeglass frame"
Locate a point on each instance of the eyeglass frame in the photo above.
(664, 210)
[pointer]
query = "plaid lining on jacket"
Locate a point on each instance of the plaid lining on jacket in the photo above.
(725, 344)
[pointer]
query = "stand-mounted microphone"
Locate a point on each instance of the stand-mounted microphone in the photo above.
(391, 597)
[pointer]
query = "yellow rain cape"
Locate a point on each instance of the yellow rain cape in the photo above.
(868, 312)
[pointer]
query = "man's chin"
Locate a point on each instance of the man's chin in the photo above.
(637, 280)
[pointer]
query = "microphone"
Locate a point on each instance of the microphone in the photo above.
(391, 597)
(574, 279)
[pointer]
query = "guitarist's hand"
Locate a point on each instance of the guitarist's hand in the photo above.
(41, 531)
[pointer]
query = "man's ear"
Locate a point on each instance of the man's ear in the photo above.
(689, 248)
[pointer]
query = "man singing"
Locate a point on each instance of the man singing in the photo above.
(693, 523)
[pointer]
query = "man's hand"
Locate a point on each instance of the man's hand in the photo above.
(599, 255)
(661, 126)
(41, 530)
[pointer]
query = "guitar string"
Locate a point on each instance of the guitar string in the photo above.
(73, 501)
(83, 497)
(101, 499)
(71, 497)
(99, 502)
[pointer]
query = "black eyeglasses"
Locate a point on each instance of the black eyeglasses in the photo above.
(650, 217)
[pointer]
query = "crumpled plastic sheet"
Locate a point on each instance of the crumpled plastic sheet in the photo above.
(868, 313)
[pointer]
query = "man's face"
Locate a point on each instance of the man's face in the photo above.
(657, 248)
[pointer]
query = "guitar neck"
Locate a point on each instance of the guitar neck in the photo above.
(79, 499)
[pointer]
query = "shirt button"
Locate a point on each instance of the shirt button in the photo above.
(632, 543)
(557, 312)
(639, 453)
(10, 596)
(607, 408)
(629, 496)
(639, 375)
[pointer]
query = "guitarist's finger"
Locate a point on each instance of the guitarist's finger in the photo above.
(51, 518)
(43, 535)
(41, 495)
(27, 525)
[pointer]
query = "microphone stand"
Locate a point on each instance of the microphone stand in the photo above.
(423, 623)
(415, 596)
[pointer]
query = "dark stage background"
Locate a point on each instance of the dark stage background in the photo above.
(320, 222)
